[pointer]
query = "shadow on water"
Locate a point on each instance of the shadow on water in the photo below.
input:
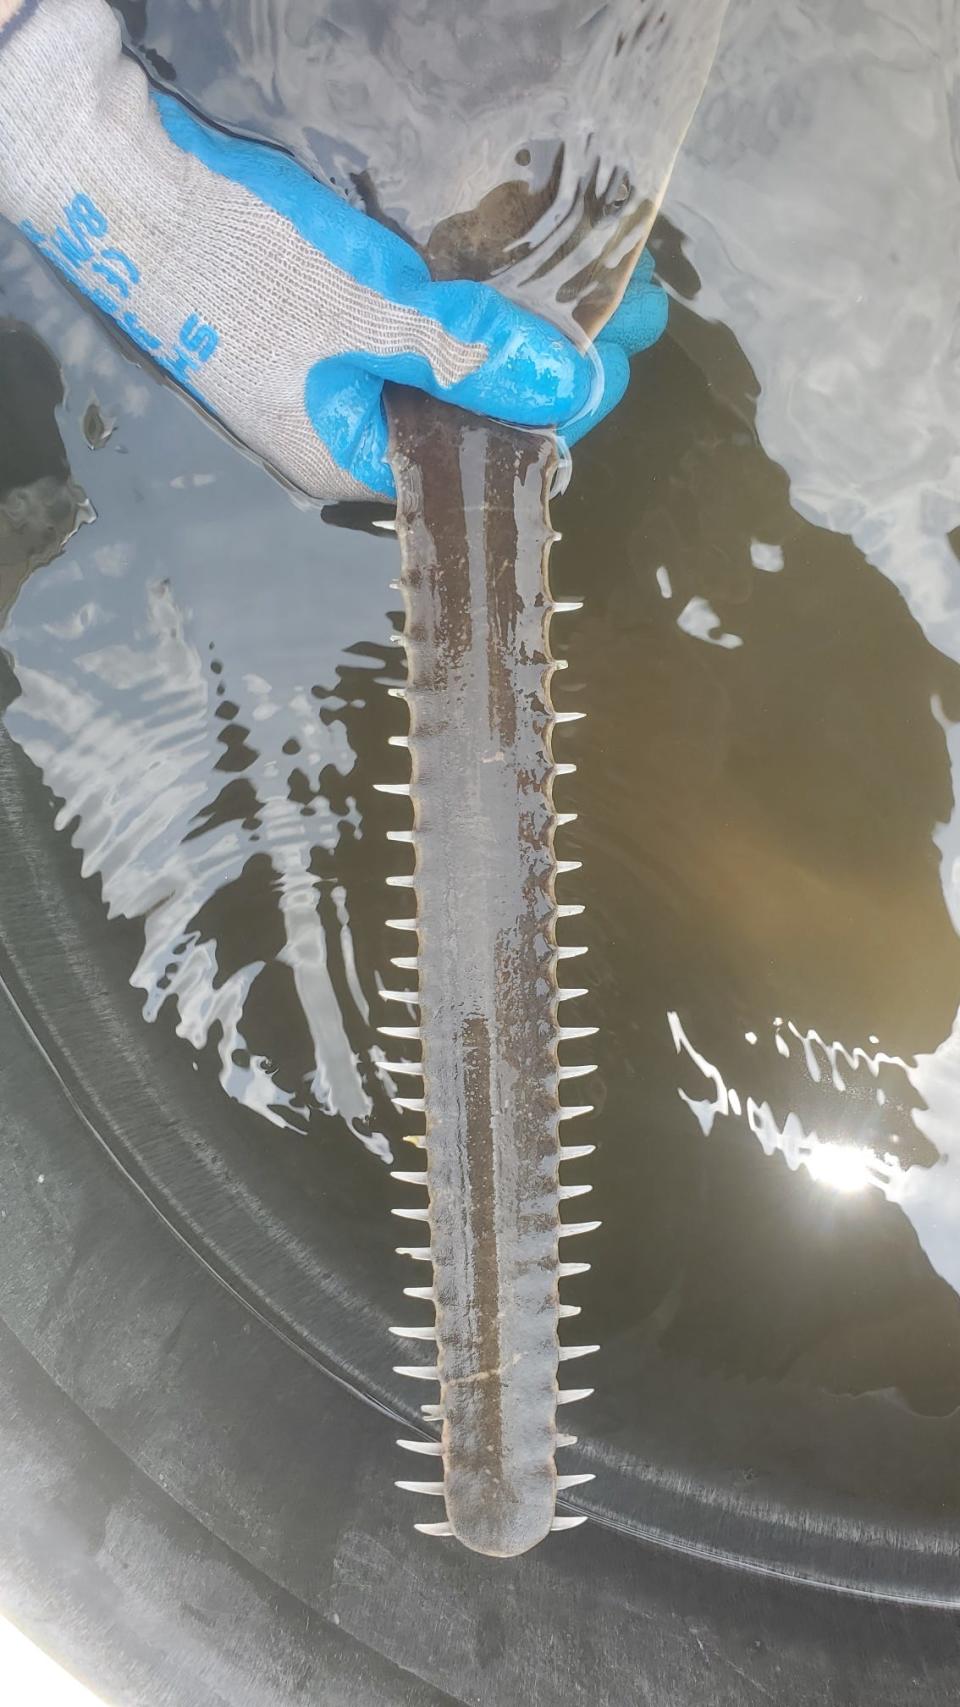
(201, 670)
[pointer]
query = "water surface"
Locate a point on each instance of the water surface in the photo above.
(765, 535)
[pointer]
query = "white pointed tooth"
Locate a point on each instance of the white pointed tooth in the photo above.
(400, 882)
(570, 1395)
(389, 526)
(567, 1522)
(564, 770)
(575, 1481)
(561, 664)
(570, 1351)
(567, 865)
(433, 1413)
(404, 962)
(420, 1487)
(418, 1334)
(408, 1179)
(567, 1031)
(569, 1309)
(565, 952)
(434, 1528)
(578, 1072)
(565, 1269)
(569, 910)
(418, 1292)
(567, 1439)
(415, 1105)
(569, 1229)
(411, 997)
(423, 1253)
(573, 1152)
(567, 604)
(569, 994)
(417, 1139)
(567, 817)
(397, 693)
(398, 740)
(400, 1067)
(400, 1031)
(564, 1190)
(575, 1109)
(418, 1371)
(568, 716)
(392, 787)
(398, 640)
(412, 1214)
(429, 1448)
(408, 924)
(399, 835)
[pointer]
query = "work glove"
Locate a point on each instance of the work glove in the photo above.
(280, 307)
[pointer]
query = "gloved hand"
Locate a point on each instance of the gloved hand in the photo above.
(279, 306)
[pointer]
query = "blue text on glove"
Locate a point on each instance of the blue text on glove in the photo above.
(109, 277)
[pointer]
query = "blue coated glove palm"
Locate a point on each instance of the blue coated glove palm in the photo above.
(279, 306)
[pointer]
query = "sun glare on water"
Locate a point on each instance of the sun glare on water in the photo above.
(843, 1167)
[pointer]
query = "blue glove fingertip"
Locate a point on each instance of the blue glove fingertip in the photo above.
(345, 407)
(642, 315)
(616, 378)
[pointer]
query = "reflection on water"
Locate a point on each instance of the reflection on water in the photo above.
(185, 820)
(855, 1151)
(767, 804)
(206, 799)
(821, 193)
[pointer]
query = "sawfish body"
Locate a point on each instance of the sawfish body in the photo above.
(592, 102)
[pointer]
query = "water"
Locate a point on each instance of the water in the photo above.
(764, 535)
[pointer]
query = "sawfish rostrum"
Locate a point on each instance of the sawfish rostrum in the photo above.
(580, 111)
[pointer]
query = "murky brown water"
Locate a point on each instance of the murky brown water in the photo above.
(764, 535)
